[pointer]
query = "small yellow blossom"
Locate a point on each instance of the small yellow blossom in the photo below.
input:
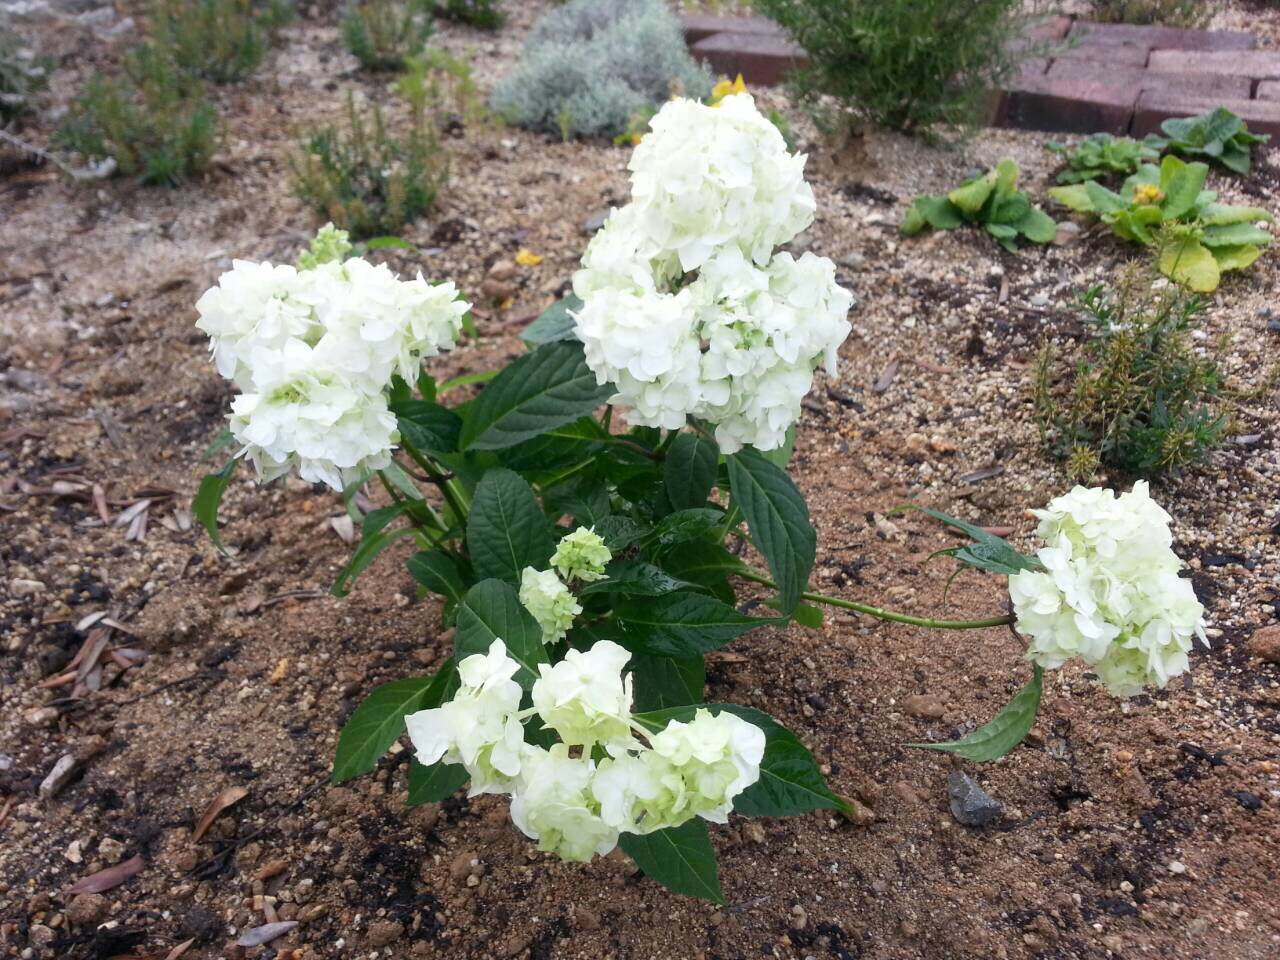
(727, 88)
(527, 258)
(1147, 193)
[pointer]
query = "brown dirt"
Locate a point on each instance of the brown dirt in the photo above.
(252, 668)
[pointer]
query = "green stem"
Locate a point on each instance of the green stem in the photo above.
(882, 614)
(430, 535)
(453, 493)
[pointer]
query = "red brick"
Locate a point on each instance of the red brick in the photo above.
(1257, 64)
(1070, 106)
(1111, 54)
(699, 26)
(1190, 84)
(1172, 38)
(760, 58)
(1155, 106)
(1268, 90)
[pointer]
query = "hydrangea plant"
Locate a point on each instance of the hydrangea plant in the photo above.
(586, 566)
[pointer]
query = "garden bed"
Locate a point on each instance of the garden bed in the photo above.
(1141, 828)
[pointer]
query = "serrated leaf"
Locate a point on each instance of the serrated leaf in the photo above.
(553, 324)
(379, 720)
(778, 519)
(689, 470)
(204, 507)
(428, 426)
(1005, 731)
(680, 858)
(987, 552)
(434, 783)
(681, 624)
(538, 392)
(439, 573)
(507, 530)
(702, 562)
(686, 526)
(586, 502)
(662, 682)
(619, 532)
(790, 781)
(635, 578)
(490, 611)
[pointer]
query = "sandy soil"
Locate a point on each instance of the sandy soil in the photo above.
(1146, 828)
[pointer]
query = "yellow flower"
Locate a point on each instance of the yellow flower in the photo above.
(727, 88)
(1147, 193)
(527, 258)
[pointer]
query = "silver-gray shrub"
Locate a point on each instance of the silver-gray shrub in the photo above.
(590, 66)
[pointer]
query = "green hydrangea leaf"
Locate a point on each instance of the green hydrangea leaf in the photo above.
(1005, 731)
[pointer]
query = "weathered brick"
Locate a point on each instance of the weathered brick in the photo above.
(1268, 90)
(1172, 38)
(1110, 54)
(1191, 84)
(1155, 106)
(1070, 106)
(699, 26)
(760, 58)
(1257, 64)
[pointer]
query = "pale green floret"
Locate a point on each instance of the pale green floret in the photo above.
(330, 245)
(581, 555)
(546, 597)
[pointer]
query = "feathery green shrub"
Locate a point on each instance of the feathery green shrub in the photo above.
(368, 179)
(384, 34)
(153, 122)
(218, 40)
(486, 14)
(23, 74)
(908, 65)
(1138, 397)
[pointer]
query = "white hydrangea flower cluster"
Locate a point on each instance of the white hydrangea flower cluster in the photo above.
(1110, 593)
(313, 351)
(560, 796)
(714, 190)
